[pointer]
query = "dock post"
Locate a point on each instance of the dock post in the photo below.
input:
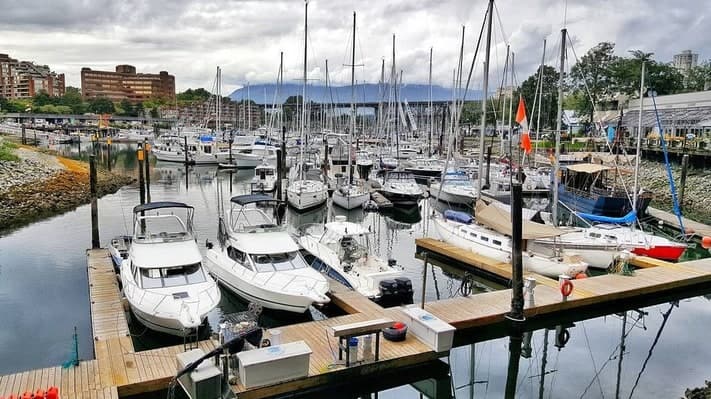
(108, 152)
(185, 150)
(94, 206)
(146, 149)
(24, 137)
(280, 172)
(516, 313)
(141, 182)
(515, 340)
(424, 282)
(682, 183)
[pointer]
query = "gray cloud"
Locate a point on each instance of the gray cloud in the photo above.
(189, 38)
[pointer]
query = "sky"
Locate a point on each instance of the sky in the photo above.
(190, 38)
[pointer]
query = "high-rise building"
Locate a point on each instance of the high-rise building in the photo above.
(685, 60)
(126, 84)
(24, 79)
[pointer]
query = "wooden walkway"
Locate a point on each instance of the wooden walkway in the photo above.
(120, 371)
(699, 229)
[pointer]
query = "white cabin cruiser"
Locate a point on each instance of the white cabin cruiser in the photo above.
(401, 187)
(341, 250)
(456, 188)
(259, 261)
(492, 238)
(163, 278)
(265, 178)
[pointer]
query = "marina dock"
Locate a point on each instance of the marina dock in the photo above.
(692, 227)
(118, 370)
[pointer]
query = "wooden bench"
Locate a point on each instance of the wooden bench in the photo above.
(345, 331)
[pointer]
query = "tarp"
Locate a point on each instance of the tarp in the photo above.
(587, 167)
(458, 216)
(627, 219)
(500, 220)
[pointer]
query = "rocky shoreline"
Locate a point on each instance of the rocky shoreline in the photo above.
(41, 185)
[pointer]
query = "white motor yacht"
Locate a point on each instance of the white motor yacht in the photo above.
(401, 187)
(163, 278)
(342, 251)
(265, 178)
(456, 188)
(491, 237)
(258, 260)
(251, 156)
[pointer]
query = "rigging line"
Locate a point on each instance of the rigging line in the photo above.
(654, 343)
(555, 366)
(476, 53)
(501, 24)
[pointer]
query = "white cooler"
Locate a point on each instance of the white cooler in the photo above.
(274, 364)
(435, 333)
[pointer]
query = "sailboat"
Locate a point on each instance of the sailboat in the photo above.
(304, 194)
(349, 195)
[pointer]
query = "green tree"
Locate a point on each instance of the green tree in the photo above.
(72, 98)
(626, 74)
(699, 77)
(42, 98)
(591, 75)
(3, 104)
(191, 95)
(127, 108)
(101, 105)
(549, 100)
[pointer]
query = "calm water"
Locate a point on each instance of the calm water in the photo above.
(44, 295)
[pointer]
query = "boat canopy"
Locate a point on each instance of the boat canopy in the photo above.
(165, 254)
(247, 199)
(500, 220)
(588, 168)
(343, 228)
(160, 205)
(458, 216)
(629, 218)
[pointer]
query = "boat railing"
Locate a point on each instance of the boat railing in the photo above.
(161, 297)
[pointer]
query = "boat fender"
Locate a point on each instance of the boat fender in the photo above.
(208, 244)
(26, 395)
(396, 333)
(52, 393)
(39, 394)
(562, 338)
(566, 288)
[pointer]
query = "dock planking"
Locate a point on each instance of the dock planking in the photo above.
(120, 371)
(691, 226)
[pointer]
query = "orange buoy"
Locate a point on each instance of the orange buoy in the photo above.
(567, 288)
(581, 276)
(706, 242)
(52, 393)
(39, 394)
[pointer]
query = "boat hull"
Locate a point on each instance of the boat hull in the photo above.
(663, 252)
(350, 201)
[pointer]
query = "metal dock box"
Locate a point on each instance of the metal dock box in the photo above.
(205, 382)
(274, 364)
(435, 333)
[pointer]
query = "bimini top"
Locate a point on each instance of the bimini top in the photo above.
(588, 167)
(160, 205)
(252, 198)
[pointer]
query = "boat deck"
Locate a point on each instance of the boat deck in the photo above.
(120, 371)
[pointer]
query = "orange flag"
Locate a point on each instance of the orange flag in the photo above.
(523, 121)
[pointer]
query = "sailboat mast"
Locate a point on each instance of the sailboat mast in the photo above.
(381, 95)
(429, 105)
(540, 98)
(558, 124)
(353, 109)
(639, 142)
(485, 94)
(303, 97)
(281, 80)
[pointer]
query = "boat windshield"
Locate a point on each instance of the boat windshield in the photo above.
(278, 262)
(172, 276)
(252, 219)
(162, 228)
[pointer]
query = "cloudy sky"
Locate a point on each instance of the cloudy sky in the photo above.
(189, 38)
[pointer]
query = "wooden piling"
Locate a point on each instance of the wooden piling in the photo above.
(94, 205)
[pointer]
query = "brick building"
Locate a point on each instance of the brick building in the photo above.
(126, 84)
(24, 79)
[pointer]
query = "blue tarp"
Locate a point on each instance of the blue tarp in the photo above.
(610, 134)
(627, 219)
(458, 216)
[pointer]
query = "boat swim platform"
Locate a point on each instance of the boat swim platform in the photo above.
(119, 370)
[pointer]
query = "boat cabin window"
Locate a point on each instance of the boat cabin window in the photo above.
(207, 149)
(485, 239)
(496, 242)
(172, 276)
(236, 255)
(611, 238)
(278, 262)
(595, 235)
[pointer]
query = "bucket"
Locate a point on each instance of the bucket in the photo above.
(275, 336)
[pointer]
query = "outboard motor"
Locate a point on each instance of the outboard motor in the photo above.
(388, 289)
(404, 289)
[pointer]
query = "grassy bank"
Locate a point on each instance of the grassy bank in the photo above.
(6, 151)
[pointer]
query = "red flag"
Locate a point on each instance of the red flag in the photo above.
(523, 121)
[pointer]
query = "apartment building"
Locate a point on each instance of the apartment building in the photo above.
(125, 84)
(24, 79)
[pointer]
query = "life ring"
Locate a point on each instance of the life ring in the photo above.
(566, 288)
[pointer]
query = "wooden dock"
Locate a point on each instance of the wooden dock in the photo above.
(692, 227)
(120, 371)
